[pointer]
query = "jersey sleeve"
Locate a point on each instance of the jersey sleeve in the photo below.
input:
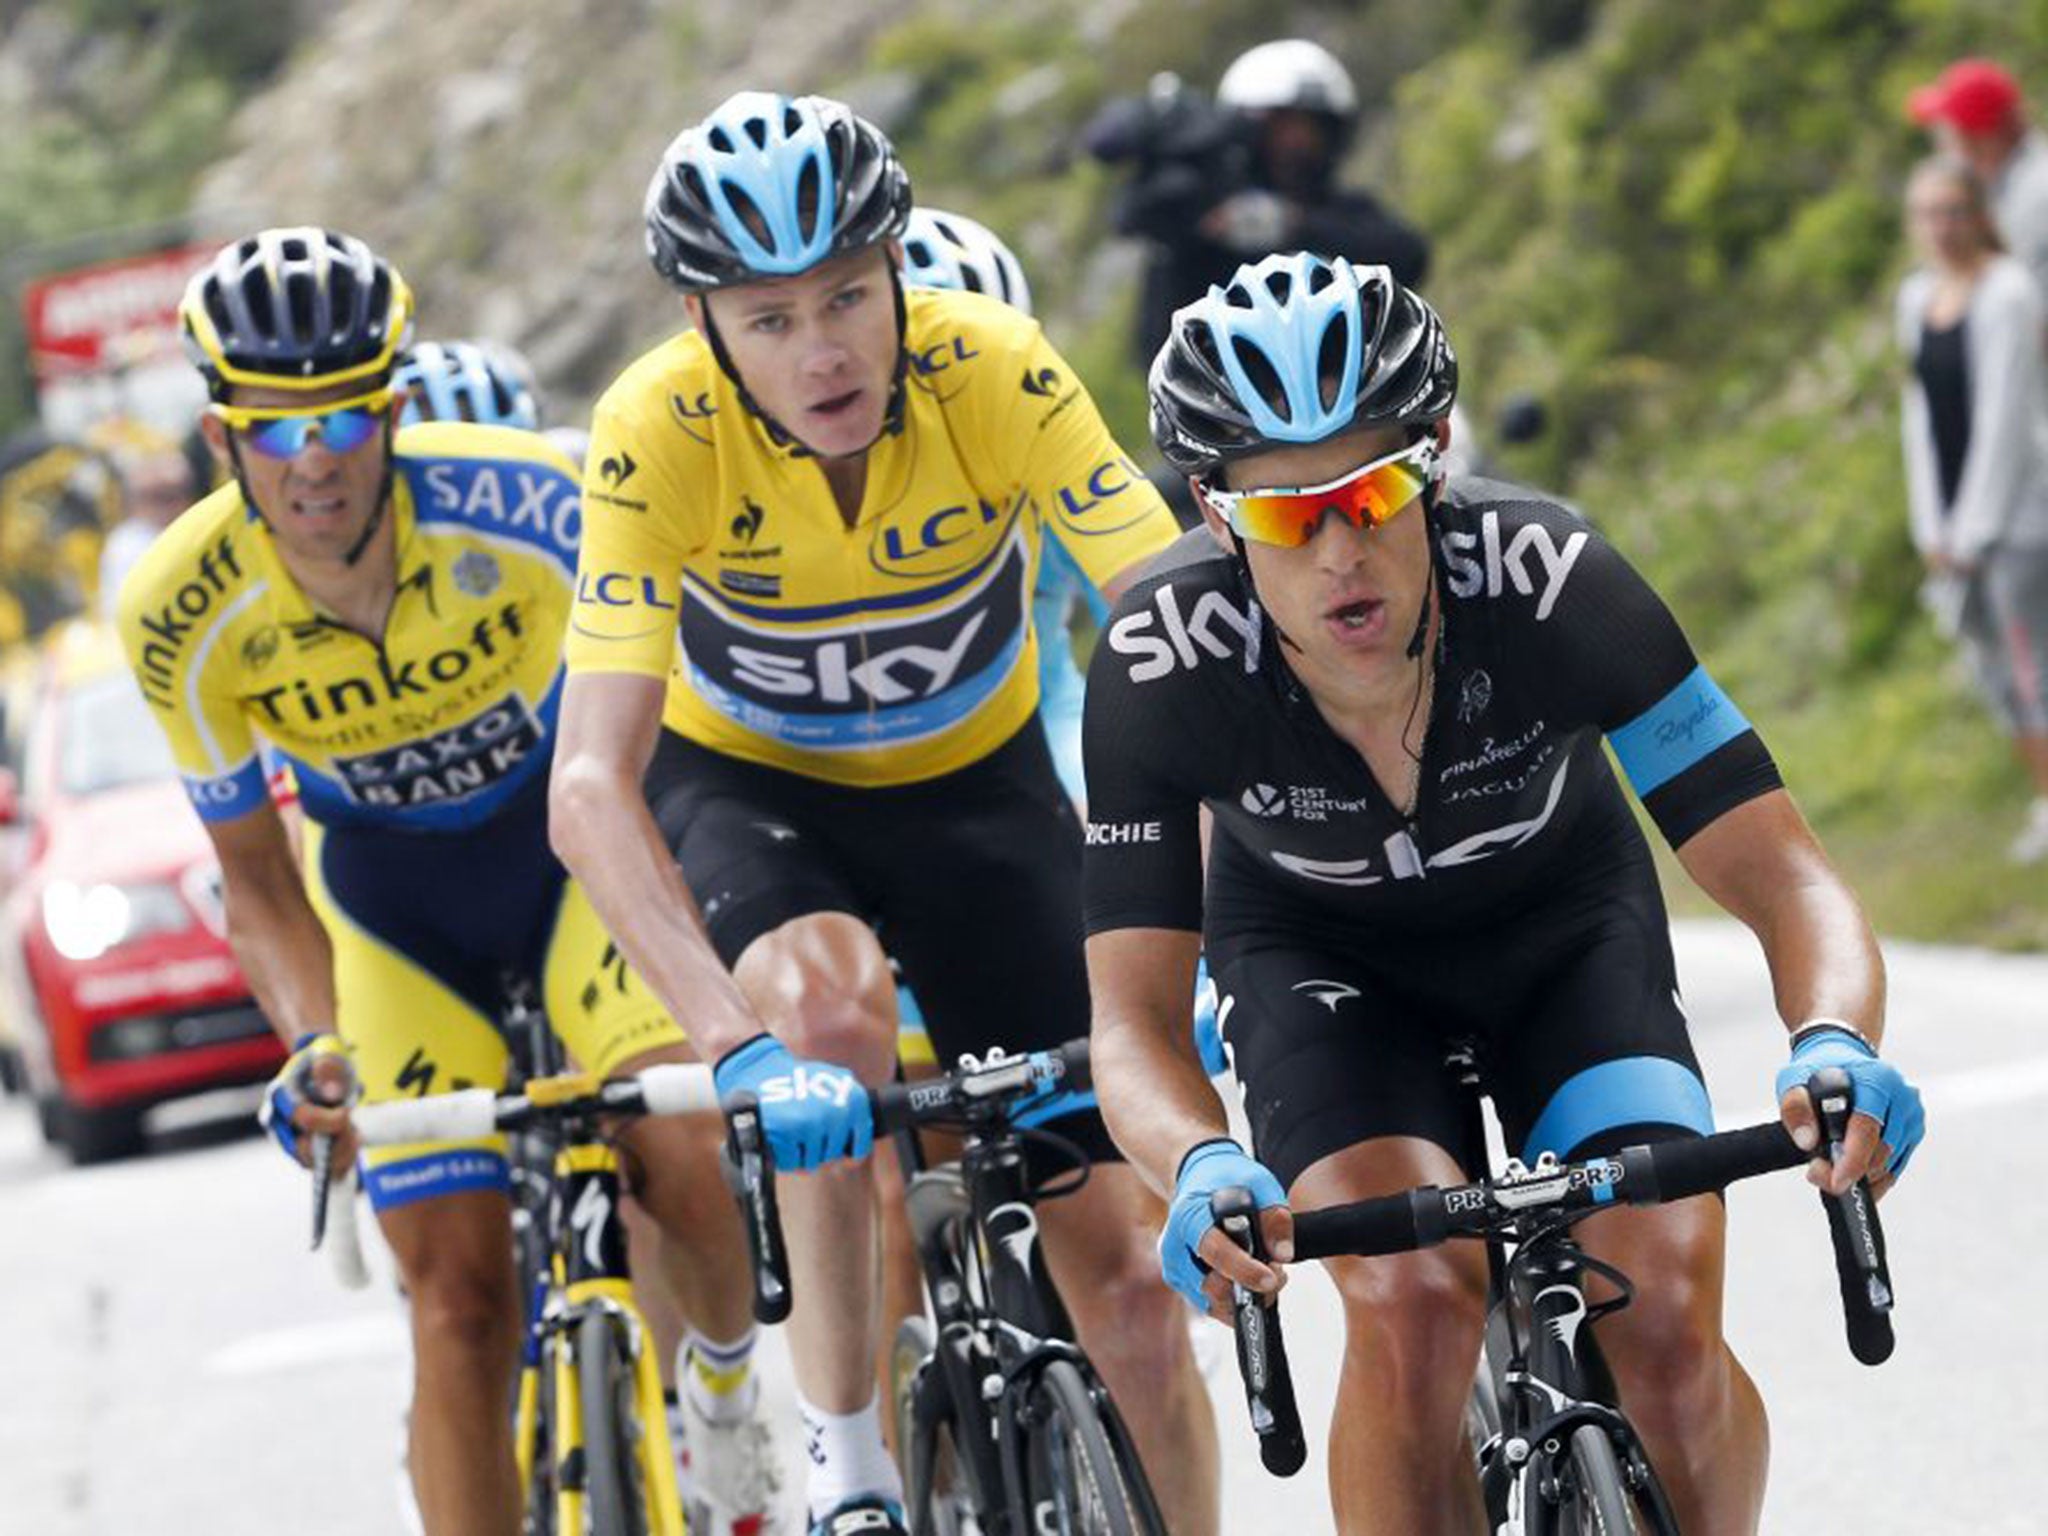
(1143, 863)
(638, 530)
(182, 675)
(1095, 501)
(1688, 752)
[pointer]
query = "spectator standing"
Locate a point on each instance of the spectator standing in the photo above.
(1975, 110)
(1975, 412)
(1255, 173)
(156, 485)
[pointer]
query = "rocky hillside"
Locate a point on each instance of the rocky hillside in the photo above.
(1675, 224)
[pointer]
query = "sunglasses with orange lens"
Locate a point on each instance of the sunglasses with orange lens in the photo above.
(1365, 498)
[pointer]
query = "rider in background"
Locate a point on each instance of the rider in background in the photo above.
(383, 610)
(832, 493)
(1391, 692)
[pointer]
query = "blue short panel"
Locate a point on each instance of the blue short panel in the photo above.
(1634, 1090)
(454, 1171)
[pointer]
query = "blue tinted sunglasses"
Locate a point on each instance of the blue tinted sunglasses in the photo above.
(283, 432)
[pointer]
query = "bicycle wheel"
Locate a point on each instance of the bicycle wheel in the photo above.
(1602, 1505)
(614, 1497)
(934, 1493)
(1073, 1484)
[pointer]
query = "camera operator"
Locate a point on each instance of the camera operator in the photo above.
(1218, 184)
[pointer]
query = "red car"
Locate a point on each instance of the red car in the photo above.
(120, 990)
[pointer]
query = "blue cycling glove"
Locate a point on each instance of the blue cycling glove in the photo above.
(812, 1112)
(1208, 1025)
(1213, 1165)
(287, 1090)
(1881, 1089)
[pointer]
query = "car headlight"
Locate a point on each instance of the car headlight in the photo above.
(84, 922)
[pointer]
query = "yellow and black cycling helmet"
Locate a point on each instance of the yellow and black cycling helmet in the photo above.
(295, 309)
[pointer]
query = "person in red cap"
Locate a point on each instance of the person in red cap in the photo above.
(1975, 110)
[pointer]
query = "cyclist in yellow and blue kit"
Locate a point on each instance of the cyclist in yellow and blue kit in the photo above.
(383, 610)
(802, 626)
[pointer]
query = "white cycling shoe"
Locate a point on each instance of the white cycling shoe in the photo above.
(727, 1473)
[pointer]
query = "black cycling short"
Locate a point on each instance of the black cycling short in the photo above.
(972, 881)
(1574, 1011)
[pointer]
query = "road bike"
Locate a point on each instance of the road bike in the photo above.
(1553, 1449)
(591, 1434)
(1003, 1425)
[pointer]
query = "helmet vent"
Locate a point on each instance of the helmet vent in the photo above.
(294, 250)
(748, 212)
(720, 140)
(792, 121)
(380, 301)
(1262, 376)
(809, 199)
(1280, 285)
(300, 295)
(1330, 366)
(1320, 275)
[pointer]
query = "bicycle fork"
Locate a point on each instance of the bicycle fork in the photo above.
(591, 1276)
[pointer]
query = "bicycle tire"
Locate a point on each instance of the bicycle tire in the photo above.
(935, 1499)
(1602, 1505)
(540, 1486)
(1071, 1470)
(614, 1500)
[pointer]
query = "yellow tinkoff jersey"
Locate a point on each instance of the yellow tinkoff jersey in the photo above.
(893, 650)
(436, 724)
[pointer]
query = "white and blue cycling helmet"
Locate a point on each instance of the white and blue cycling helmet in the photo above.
(769, 186)
(1294, 349)
(950, 250)
(467, 381)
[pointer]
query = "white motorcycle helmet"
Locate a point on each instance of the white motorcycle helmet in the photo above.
(1289, 73)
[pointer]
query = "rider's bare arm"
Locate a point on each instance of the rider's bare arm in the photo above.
(272, 927)
(602, 830)
(1762, 863)
(1154, 1093)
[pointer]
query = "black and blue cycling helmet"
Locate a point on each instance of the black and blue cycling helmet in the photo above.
(1294, 349)
(769, 186)
(467, 381)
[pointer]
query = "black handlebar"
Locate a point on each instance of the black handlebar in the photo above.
(976, 1093)
(1638, 1175)
(1261, 1350)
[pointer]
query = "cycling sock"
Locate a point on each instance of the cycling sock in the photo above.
(847, 1457)
(719, 1378)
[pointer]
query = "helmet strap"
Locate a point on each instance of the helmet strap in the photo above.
(377, 512)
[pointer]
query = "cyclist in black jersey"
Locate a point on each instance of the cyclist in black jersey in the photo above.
(1390, 694)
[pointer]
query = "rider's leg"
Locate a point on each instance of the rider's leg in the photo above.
(454, 1255)
(1698, 1412)
(1102, 1246)
(1399, 1464)
(823, 986)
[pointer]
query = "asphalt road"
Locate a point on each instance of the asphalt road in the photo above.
(173, 1361)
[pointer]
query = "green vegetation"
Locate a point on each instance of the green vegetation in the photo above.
(130, 102)
(1677, 226)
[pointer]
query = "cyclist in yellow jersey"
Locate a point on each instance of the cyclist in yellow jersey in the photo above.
(813, 523)
(383, 610)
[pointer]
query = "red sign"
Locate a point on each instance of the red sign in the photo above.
(112, 316)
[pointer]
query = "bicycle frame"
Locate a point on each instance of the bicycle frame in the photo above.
(588, 1272)
(1551, 1382)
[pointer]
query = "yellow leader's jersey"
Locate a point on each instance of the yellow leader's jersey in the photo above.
(435, 726)
(890, 651)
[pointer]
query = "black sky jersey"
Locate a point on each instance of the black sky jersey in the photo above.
(1549, 641)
